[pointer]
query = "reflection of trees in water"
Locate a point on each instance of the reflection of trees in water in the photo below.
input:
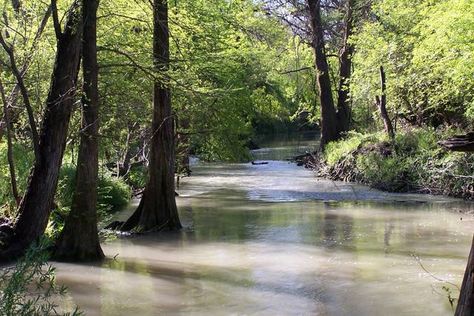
(389, 226)
(338, 230)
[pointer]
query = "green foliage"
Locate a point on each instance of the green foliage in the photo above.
(386, 173)
(23, 158)
(29, 288)
(426, 48)
(413, 162)
(336, 151)
(113, 193)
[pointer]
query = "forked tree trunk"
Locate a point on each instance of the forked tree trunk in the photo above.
(345, 70)
(466, 297)
(36, 205)
(79, 240)
(329, 126)
(157, 209)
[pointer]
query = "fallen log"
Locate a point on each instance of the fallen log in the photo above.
(257, 163)
(464, 143)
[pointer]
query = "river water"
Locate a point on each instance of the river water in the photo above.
(274, 240)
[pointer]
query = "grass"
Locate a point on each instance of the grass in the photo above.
(413, 162)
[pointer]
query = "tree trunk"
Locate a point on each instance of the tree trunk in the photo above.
(157, 209)
(329, 127)
(345, 67)
(466, 297)
(382, 105)
(36, 205)
(79, 240)
(11, 162)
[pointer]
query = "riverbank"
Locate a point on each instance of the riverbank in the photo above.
(413, 162)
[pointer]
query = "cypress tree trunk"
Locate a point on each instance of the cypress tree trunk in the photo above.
(466, 297)
(79, 240)
(36, 205)
(329, 126)
(157, 209)
(345, 69)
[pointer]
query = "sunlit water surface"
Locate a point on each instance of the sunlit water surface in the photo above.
(273, 240)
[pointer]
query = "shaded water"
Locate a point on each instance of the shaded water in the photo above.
(272, 240)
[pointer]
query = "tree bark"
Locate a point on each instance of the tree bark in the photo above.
(11, 162)
(37, 202)
(329, 128)
(157, 209)
(382, 105)
(79, 240)
(465, 305)
(345, 69)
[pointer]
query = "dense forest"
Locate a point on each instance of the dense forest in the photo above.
(107, 101)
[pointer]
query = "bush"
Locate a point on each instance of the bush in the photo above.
(29, 288)
(336, 151)
(23, 161)
(414, 162)
(113, 193)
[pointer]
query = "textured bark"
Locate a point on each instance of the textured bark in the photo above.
(465, 305)
(11, 162)
(157, 209)
(16, 4)
(345, 69)
(329, 127)
(382, 105)
(36, 205)
(79, 240)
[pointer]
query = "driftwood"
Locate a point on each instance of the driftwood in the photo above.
(463, 143)
(257, 163)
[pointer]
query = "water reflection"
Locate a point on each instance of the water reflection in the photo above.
(257, 241)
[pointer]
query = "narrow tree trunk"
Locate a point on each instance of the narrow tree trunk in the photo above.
(11, 162)
(329, 128)
(382, 105)
(36, 205)
(16, 89)
(24, 93)
(16, 4)
(183, 148)
(157, 209)
(466, 297)
(79, 240)
(345, 67)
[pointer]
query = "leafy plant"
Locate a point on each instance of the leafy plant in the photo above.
(29, 288)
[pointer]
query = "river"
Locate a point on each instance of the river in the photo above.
(274, 240)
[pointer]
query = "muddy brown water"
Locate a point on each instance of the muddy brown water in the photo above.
(273, 240)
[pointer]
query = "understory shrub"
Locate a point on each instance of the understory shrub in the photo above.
(29, 287)
(412, 162)
(113, 193)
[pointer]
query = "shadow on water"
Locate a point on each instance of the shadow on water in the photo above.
(272, 240)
